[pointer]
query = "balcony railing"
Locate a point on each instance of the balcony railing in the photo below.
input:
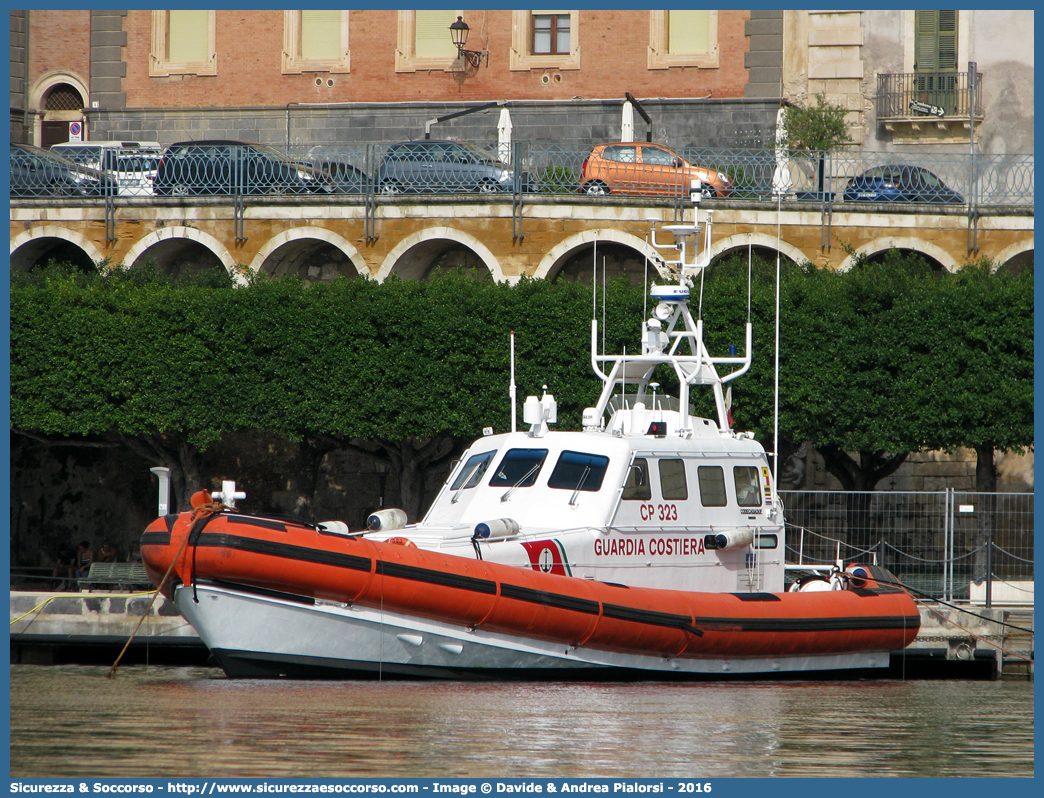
(938, 94)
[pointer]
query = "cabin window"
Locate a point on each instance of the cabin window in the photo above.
(712, 486)
(672, 480)
(472, 472)
(748, 491)
(578, 471)
(519, 468)
(637, 485)
(766, 542)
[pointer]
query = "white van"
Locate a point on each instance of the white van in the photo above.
(132, 164)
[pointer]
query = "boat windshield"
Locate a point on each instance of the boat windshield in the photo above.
(578, 471)
(471, 474)
(519, 468)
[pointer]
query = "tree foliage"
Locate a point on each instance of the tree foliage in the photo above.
(815, 128)
(881, 361)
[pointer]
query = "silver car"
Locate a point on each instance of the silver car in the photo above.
(443, 166)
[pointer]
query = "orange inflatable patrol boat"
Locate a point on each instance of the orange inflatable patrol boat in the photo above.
(649, 543)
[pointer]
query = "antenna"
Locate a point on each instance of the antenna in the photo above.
(775, 422)
(603, 304)
(594, 280)
(511, 388)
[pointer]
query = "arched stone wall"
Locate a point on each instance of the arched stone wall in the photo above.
(1010, 252)
(310, 234)
(879, 245)
(742, 240)
(558, 253)
(39, 234)
(176, 232)
(392, 260)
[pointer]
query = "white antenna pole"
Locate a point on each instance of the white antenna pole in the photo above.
(511, 388)
(645, 285)
(594, 281)
(603, 304)
(775, 444)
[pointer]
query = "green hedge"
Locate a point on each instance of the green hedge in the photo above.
(887, 357)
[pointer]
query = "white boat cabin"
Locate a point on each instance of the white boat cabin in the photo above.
(655, 497)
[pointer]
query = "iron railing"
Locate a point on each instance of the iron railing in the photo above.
(940, 94)
(850, 179)
(940, 543)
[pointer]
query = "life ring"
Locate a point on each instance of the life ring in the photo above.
(401, 542)
(813, 583)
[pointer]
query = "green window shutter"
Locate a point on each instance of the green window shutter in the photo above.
(187, 34)
(433, 35)
(947, 40)
(935, 40)
(688, 32)
(320, 35)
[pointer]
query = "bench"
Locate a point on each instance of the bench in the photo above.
(116, 575)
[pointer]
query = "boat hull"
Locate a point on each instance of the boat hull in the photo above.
(247, 636)
(270, 597)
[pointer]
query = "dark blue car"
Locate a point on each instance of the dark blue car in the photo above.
(896, 183)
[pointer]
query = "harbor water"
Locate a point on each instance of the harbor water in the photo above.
(154, 722)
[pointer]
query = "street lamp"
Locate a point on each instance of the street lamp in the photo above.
(459, 33)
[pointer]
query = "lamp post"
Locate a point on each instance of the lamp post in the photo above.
(459, 31)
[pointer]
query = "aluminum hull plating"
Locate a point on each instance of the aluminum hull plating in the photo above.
(247, 634)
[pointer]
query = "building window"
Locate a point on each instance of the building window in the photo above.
(545, 40)
(550, 34)
(935, 41)
(424, 41)
(683, 39)
(183, 43)
(315, 41)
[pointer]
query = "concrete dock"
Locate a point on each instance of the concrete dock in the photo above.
(57, 628)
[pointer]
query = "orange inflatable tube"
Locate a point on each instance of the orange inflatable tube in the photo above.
(299, 560)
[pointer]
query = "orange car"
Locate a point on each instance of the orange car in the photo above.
(637, 167)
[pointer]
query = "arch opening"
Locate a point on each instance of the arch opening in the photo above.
(423, 260)
(40, 251)
(614, 260)
(176, 257)
(311, 260)
(758, 252)
(1017, 264)
(879, 258)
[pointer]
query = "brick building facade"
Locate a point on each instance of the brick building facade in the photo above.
(705, 77)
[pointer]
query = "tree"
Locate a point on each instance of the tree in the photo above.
(815, 130)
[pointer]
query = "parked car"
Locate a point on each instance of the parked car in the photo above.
(898, 183)
(232, 167)
(338, 176)
(131, 164)
(444, 166)
(38, 173)
(636, 167)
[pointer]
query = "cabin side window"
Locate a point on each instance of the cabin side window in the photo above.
(472, 472)
(637, 486)
(578, 471)
(712, 486)
(519, 468)
(672, 480)
(748, 492)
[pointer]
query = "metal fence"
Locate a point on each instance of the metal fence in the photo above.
(840, 178)
(941, 543)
